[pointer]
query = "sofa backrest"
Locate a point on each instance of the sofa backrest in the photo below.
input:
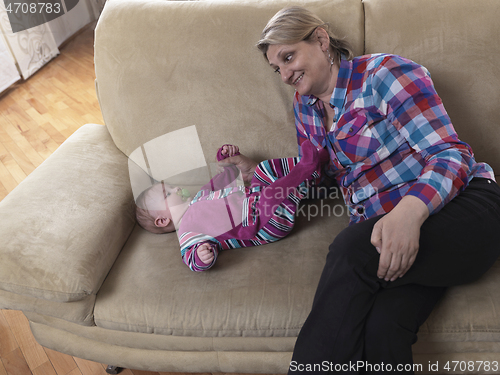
(456, 41)
(162, 66)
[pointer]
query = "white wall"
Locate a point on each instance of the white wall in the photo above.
(67, 25)
(28, 50)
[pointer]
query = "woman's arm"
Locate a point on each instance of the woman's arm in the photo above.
(404, 92)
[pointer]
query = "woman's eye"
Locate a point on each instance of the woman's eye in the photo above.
(288, 58)
(277, 71)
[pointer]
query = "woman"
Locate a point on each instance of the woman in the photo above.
(424, 214)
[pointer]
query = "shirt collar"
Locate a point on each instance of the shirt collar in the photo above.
(340, 90)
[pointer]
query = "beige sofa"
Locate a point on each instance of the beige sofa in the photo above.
(95, 285)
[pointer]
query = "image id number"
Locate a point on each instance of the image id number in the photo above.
(471, 366)
(34, 8)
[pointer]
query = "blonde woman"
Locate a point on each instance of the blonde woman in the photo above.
(424, 214)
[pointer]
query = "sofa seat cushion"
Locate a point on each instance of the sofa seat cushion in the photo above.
(467, 313)
(259, 291)
(262, 291)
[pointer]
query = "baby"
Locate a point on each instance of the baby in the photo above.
(225, 215)
(160, 208)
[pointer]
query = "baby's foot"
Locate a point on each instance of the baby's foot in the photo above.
(205, 253)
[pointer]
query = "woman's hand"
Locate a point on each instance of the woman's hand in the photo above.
(244, 164)
(396, 237)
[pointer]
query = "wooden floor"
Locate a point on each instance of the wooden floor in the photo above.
(36, 116)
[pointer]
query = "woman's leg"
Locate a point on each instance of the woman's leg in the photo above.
(457, 245)
(392, 325)
(344, 297)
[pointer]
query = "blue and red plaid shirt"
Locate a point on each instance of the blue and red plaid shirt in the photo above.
(391, 137)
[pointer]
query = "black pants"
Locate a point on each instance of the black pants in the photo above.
(358, 317)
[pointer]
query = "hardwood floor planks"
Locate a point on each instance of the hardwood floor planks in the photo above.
(15, 364)
(44, 369)
(3, 371)
(63, 363)
(32, 351)
(8, 342)
(90, 368)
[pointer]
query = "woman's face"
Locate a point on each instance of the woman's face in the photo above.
(303, 65)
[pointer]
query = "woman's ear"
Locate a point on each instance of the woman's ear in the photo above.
(162, 222)
(323, 38)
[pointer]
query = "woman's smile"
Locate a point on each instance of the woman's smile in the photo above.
(298, 79)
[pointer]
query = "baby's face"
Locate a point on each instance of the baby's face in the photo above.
(169, 200)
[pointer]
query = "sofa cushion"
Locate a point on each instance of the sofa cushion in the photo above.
(80, 312)
(462, 58)
(258, 291)
(266, 291)
(64, 225)
(467, 313)
(195, 63)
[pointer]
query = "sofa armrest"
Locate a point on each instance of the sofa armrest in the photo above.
(62, 228)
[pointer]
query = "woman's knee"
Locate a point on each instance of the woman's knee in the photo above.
(353, 244)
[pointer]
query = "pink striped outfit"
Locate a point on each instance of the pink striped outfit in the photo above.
(229, 216)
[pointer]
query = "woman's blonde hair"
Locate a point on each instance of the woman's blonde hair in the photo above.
(295, 24)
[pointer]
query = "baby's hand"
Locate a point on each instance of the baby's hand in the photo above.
(229, 150)
(205, 253)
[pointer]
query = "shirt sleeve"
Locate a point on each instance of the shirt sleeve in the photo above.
(404, 92)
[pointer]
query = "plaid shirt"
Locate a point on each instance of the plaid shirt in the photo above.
(391, 137)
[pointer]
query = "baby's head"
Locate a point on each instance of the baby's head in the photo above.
(160, 207)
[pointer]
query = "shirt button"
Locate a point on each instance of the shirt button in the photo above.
(351, 130)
